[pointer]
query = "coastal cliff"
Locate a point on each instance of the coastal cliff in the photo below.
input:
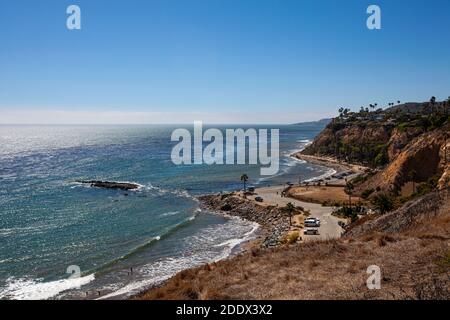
(420, 160)
(404, 145)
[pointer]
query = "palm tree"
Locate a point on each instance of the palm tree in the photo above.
(432, 103)
(398, 101)
(244, 178)
(349, 187)
(289, 209)
(346, 111)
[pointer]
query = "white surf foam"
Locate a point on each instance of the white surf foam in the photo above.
(36, 289)
(327, 174)
(164, 269)
(163, 191)
(231, 244)
(170, 213)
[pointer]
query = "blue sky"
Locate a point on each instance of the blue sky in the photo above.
(278, 60)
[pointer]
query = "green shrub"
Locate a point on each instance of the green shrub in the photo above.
(349, 212)
(383, 203)
(366, 193)
(402, 126)
(359, 179)
(382, 156)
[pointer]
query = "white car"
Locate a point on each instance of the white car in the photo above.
(311, 231)
(312, 222)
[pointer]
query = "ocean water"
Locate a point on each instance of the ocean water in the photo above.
(50, 225)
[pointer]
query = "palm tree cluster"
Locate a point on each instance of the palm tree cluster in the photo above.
(343, 112)
(443, 106)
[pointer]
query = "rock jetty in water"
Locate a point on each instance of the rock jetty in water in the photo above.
(110, 185)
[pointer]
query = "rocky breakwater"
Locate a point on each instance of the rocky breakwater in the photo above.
(110, 185)
(274, 222)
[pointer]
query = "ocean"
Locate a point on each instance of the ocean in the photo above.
(121, 242)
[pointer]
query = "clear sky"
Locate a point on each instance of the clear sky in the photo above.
(216, 60)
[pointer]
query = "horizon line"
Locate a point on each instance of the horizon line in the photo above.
(64, 117)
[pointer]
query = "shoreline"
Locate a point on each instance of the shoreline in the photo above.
(273, 228)
(270, 219)
(247, 243)
(330, 162)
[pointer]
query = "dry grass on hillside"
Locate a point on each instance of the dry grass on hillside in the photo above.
(414, 265)
(322, 195)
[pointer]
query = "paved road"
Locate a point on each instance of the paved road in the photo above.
(329, 228)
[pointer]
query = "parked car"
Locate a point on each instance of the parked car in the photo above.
(251, 189)
(259, 199)
(312, 222)
(311, 232)
(341, 224)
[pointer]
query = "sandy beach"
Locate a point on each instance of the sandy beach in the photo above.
(330, 162)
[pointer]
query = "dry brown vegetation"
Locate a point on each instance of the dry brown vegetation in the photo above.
(322, 195)
(414, 262)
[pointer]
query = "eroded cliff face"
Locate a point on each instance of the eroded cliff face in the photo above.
(332, 142)
(421, 159)
(399, 140)
(444, 181)
(363, 143)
